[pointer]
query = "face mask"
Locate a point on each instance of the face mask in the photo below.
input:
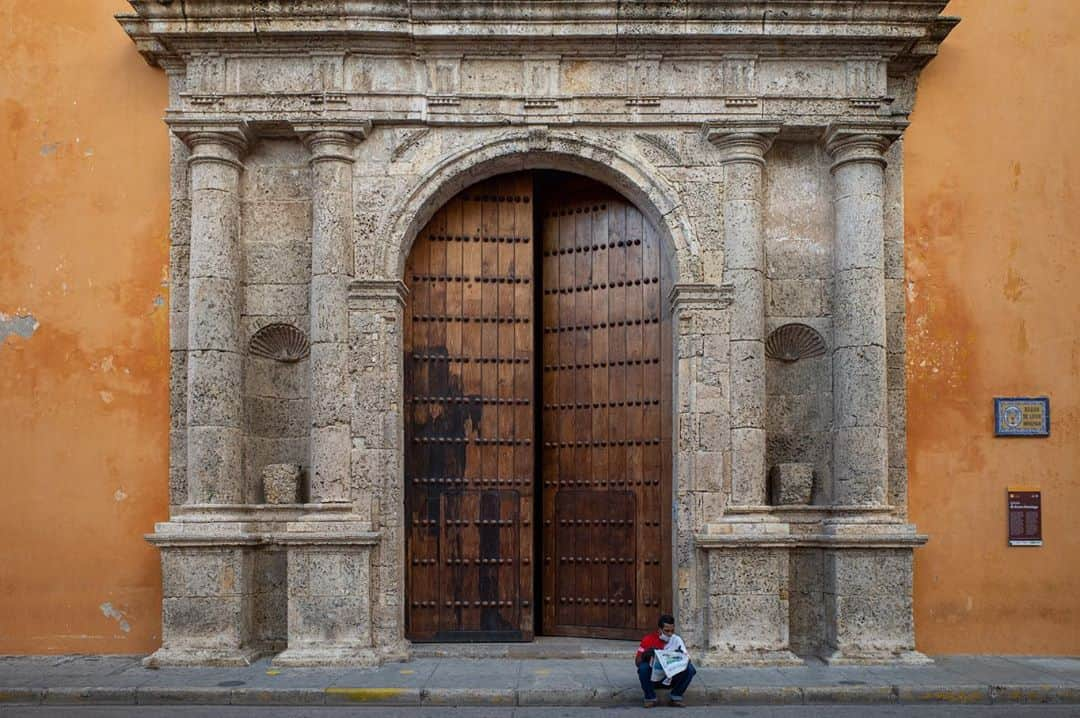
(665, 637)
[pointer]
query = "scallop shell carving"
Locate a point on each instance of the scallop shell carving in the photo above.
(280, 342)
(792, 342)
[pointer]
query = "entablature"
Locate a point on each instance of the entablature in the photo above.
(478, 62)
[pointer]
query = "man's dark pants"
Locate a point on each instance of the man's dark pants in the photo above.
(678, 683)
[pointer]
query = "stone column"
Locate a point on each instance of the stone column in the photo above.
(215, 345)
(331, 150)
(743, 151)
(868, 554)
(860, 414)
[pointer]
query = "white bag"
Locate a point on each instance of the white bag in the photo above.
(672, 662)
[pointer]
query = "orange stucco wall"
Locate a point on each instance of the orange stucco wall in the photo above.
(993, 247)
(84, 398)
(993, 224)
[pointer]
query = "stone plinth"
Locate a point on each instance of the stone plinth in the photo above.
(868, 591)
(746, 606)
(206, 614)
(329, 566)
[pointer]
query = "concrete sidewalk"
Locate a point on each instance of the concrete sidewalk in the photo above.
(507, 681)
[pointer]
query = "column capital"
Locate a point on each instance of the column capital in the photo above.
(213, 139)
(742, 141)
(700, 296)
(865, 141)
(332, 141)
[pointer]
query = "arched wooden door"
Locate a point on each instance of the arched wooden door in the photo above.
(606, 444)
(494, 320)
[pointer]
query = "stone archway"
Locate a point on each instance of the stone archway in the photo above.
(540, 149)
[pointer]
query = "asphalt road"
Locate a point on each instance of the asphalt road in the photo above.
(825, 711)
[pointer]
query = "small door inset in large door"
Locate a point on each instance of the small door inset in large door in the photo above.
(469, 421)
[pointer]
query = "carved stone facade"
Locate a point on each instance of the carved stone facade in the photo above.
(314, 140)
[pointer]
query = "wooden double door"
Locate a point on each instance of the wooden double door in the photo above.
(537, 418)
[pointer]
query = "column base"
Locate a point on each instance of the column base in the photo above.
(861, 658)
(731, 659)
(346, 656)
(220, 657)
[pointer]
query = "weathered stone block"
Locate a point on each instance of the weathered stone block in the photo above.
(747, 384)
(215, 323)
(795, 298)
(206, 622)
(791, 484)
(281, 483)
(859, 386)
(748, 466)
(282, 222)
(204, 572)
(277, 418)
(747, 311)
(275, 299)
(214, 461)
(858, 309)
(214, 381)
(859, 465)
(277, 262)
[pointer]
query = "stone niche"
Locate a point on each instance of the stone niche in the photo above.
(311, 142)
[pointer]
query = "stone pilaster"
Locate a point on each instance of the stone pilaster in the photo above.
(332, 267)
(860, 400)
(742, 154)
(376, 310)
(702, 451)
(214, 341)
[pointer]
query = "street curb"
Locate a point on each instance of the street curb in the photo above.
(1006, 694)
(970, 694)
(278, 697)
(95, 696)
(958, 695)
(750, 695)
(826, 695)
(347, 696)
(166, 696)
(468, 697)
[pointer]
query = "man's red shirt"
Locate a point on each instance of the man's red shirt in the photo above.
(651, 641)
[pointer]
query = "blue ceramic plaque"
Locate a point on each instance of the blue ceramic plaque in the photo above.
(1022, 416)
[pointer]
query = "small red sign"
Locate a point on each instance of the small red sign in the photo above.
(1025, 517)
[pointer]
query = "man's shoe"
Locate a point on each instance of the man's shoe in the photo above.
(649, 704)
(677, 703)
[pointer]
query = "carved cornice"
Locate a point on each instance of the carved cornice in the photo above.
(741, 141)
(904, 31)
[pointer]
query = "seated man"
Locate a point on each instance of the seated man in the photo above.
(649, 671)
